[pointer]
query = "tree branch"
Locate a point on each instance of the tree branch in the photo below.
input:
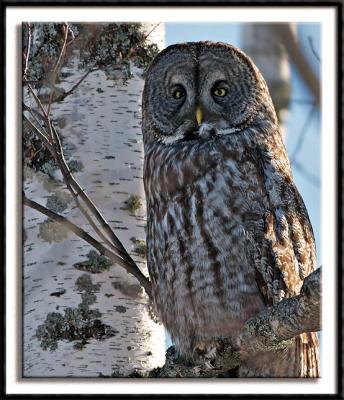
(46, 131)
(134, 270)
(58, 66)
(52, 141)
(69, 92)
(269, 330)
(28, 48)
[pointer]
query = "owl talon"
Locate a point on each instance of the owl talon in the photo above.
(206, 351)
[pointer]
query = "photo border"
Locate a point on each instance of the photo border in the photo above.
(249, 4)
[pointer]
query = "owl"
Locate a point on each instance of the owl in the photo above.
(228, 233)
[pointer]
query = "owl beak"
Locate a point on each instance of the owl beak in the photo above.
(199, 116)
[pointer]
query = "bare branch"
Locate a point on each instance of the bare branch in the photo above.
(58, 66)
(135, 271)
(151, 31)
(39, 133)
(311, 44)
(59, 157)
(56, 151)
(80, 192)
(69, 92)
(72, 34)
(28, 48)
(38, 101)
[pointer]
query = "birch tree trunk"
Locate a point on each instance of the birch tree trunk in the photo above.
(103, 122)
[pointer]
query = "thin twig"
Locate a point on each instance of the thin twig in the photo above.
(72, 34)
(89, 202)
(51, 139)
(65, 171)
(151, 31)
(93, 242)
(38, 118)
(58, 155)
(38, 101)
(40, 134)
(80, 192)
(311, 44)
(64, 95)
(27, 55)
(59, 60)
(57, 67)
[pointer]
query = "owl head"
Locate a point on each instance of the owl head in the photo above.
(202, 90)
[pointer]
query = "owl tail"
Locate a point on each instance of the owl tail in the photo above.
(307, 352)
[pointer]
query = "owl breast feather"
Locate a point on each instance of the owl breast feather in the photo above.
(205, 201)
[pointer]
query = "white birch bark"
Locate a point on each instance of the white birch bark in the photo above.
(101, 124)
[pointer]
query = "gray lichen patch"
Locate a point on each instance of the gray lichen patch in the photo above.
(152, 314)
(51, 231)
(121, 309)
(84, 284)
(133, 291)
(75, 166)
(134, 203)
(75, 324)
(96, 263)
(58, 202)
(97, 130)
(135, 373)
(141, 248)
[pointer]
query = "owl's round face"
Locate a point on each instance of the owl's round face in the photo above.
(200, 90)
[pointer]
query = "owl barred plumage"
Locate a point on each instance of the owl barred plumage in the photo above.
(228, 233)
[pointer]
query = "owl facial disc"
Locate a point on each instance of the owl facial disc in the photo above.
(199, 91)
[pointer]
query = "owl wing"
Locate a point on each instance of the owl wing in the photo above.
(286, 253)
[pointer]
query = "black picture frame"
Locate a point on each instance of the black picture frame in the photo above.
(339, 183)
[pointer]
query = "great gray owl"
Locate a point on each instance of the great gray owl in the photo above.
(228, 233)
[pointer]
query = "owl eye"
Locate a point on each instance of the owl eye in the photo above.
(220, 92)
(178, 93)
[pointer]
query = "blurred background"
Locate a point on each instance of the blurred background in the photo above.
(297, 108)
(82, 316)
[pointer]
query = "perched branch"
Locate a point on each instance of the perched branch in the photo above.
(134, 270)
(269, 330)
